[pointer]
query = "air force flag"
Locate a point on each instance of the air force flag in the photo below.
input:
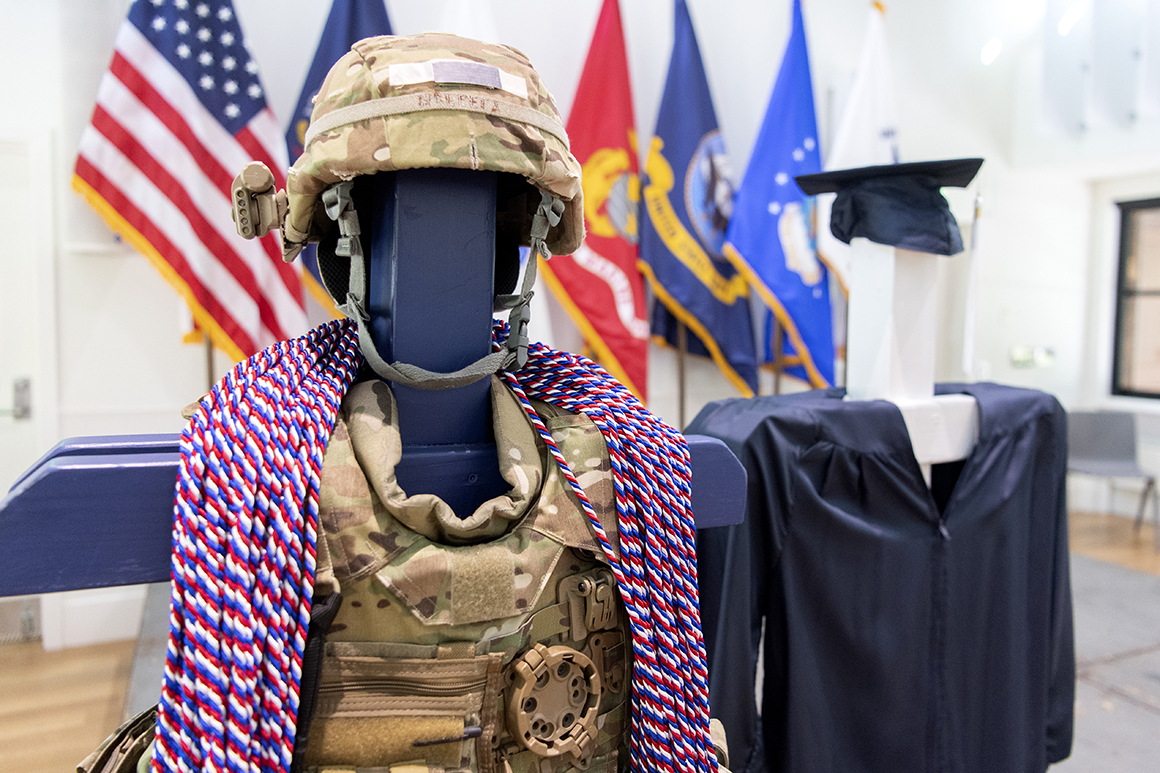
(771, 236)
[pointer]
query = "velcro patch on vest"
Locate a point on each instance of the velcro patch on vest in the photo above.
(372, 741)
(458, 585)
(483, 584)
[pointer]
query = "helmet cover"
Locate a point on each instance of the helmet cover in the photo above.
(432, 100)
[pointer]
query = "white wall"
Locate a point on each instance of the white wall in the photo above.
(80, 617)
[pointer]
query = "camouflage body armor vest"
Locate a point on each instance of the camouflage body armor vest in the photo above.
(497, 643)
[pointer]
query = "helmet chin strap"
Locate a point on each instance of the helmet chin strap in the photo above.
(340, 208)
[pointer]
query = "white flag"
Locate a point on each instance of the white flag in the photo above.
(867, 134)
(470, 19)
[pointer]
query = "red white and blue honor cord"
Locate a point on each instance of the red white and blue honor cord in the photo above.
(245, 531)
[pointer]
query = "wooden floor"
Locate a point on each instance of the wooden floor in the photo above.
(1111, 538)
(56, 707)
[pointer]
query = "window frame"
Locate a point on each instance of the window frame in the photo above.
(1127, 208)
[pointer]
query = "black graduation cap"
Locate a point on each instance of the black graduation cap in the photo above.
(896, 204)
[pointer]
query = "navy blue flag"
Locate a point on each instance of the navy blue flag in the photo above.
(688, 196)
(349, 22)
(771, 237)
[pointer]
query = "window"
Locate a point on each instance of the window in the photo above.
(1136, 369)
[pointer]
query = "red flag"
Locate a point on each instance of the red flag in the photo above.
(178, 113)
(600, 285)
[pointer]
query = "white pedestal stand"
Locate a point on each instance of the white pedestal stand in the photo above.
(890, 345)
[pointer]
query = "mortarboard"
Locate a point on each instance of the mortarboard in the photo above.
(896, 204)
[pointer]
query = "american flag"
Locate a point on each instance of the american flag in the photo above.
(179, 112)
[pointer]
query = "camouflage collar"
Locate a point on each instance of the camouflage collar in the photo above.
(373, 423)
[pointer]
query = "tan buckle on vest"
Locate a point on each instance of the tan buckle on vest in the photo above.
(553, 700)
(606, 650)
(591, 598)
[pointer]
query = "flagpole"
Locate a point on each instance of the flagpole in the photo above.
(209, 379)
(845, 346)
(777, 354)
(970, 314)
(682, 346)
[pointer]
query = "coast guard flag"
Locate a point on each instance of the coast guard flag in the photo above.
(600, 285)
(179, 112)
(349, 22)
(688, 197)
(770, 237)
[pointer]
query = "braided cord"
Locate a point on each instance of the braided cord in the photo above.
(245, 532)
(245, 529)
(657, 570)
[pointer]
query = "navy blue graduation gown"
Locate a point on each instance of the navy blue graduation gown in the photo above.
(906, 628)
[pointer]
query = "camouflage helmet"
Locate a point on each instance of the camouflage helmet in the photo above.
(432, 100)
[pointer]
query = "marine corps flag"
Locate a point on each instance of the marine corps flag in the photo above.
(771, 237)
(600, 285)
(689, 197)
(349, 22)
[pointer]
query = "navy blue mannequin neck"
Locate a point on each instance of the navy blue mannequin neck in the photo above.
(430, 276)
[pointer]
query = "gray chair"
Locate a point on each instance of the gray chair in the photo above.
(1103, 443)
